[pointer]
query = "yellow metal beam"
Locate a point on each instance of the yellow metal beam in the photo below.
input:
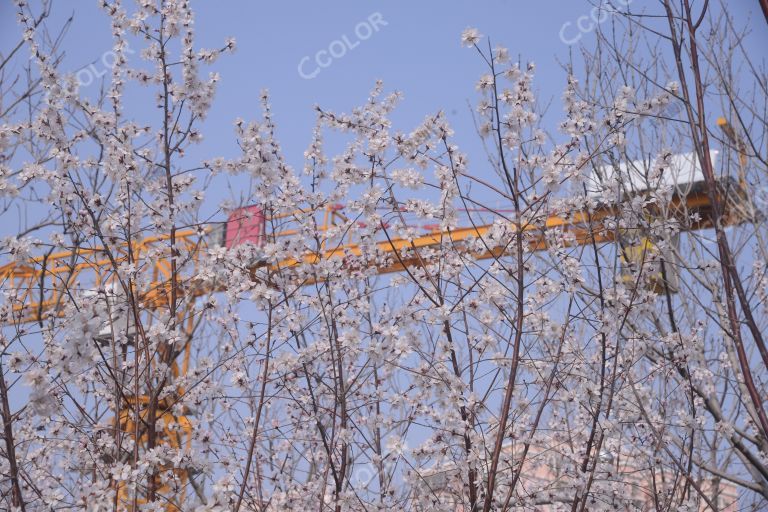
(41, 282)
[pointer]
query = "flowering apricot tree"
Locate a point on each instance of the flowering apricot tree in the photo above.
(589, 346)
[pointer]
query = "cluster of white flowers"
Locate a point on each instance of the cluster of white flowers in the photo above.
(393, 341)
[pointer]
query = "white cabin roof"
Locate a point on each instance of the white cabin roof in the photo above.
(684, 171)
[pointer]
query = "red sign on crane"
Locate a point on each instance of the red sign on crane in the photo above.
(245, 225)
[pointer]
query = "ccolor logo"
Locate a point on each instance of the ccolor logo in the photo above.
(310, 67)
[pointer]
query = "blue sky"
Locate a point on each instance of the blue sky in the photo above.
(414, 48)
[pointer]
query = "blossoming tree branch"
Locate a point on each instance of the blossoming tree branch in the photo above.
(574, 321)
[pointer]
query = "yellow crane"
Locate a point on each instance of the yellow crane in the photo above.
(39, 285)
